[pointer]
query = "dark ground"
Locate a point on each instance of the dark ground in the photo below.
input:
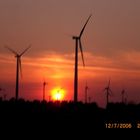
(54, 115)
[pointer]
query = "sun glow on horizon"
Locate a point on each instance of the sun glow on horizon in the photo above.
(58, 94)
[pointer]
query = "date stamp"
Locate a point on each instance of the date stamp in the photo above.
(122, 125)
(118, 125)
(138, 125)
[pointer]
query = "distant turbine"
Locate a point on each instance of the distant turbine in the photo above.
(89, 99)
(1, 89)
(78, 42)
(49, 98)
(4, 96)
(18, 68)
(108, 92)
(58, 92)
(123, 94)
(44, 89)
(86, 92)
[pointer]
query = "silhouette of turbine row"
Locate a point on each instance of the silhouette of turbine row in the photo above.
(78, 44)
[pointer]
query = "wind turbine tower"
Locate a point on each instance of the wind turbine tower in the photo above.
(78, 43)
(86, 93)
(108, 92)
(18, 68)
(44, 90)
(123, 94)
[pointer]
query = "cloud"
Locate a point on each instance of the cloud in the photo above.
(121, 60)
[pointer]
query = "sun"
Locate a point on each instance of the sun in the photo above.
(58, 94)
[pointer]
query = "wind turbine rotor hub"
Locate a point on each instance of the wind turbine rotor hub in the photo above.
(17, 56)
(75, 37)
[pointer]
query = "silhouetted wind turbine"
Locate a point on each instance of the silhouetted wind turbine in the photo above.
(58, 92)
(78, 42)
(123, 94)
(49, 98)
(86, 92)
(4, 95)
(108, 92)
(1, 89)
(44, 89)
(89, 99)
(18, 68)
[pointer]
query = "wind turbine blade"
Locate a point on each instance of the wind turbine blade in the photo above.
(84, 26)
(20, 67)
(11, 50)
(25, 50)
(81, 49)
(123, 91)
(111, 91)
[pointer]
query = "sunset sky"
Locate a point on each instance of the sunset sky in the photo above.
(111, 44)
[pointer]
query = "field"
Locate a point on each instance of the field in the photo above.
(27, 113)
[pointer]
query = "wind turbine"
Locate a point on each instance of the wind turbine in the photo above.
(1, 89)
(44, 89)
(108, 92)
(86, 92)
(18, 68)
(123, 94)
(78, 43)
(89, 99)
(4, 95)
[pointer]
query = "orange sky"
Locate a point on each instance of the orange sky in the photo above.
(111, 45)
